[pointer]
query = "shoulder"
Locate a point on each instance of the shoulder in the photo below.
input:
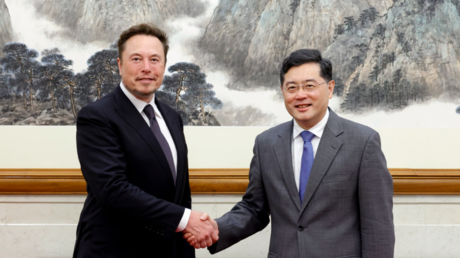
(354, 131)
(274, 132)
(165, 107)
(98, 107)
(167, 110)
(354, 126)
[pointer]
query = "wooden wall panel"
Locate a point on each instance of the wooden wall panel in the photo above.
(215, 181)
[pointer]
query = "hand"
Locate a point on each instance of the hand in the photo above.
(201, 228)
(215, 236)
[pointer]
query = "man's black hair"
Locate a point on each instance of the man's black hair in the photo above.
(303, 56)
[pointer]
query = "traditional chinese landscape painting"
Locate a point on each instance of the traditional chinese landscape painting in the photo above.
(396, 63)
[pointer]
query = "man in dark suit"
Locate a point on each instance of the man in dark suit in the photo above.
(133, 156)
(322, 179)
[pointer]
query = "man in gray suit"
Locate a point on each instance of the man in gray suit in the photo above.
(322, 179)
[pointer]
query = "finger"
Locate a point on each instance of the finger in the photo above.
(214, 224)
(215, 236)
(203, 244)
(190, 239)
(209, 240)
(192, 243)
(197, 245)
(187, 235)
(204, 217)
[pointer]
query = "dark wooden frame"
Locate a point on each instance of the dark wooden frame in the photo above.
(215, 181)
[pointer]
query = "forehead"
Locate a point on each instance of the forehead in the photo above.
(143, 44)
(308, 71)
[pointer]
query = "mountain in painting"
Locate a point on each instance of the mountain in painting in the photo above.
(88, 20)
(385, 54)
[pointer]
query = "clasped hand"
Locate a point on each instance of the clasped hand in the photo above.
(201, 230)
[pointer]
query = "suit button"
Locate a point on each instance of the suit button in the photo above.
(300, 228)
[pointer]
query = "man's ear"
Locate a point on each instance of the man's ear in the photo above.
(119, 65)
(331, 86)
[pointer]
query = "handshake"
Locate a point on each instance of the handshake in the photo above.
(201, 231)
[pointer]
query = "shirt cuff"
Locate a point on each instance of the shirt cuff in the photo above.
(184, 221)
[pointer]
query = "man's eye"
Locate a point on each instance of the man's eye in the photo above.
(292, 87)
(136, 59)
(310, 85)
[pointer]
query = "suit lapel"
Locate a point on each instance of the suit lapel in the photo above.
(130, 114)
(327, 150)
(175, 131)
(283, 153)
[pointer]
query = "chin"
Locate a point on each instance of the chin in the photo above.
(143, 93)
(304, 117)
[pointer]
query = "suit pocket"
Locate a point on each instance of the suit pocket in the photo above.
(271, 255)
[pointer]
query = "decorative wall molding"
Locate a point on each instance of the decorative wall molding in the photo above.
(426, 181)
(215, 181)
(42, 181)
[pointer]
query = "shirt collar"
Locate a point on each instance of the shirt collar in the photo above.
(317, 130)
(139, 104)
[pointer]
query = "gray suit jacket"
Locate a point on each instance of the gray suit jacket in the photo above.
(348, 203)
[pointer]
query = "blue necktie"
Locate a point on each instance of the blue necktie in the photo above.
(307, 162)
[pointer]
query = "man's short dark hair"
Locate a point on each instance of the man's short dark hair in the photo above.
(303, 56)
(143, 29)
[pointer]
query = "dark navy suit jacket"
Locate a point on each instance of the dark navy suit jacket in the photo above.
(133, 207)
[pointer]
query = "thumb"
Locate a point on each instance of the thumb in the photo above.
(204, 217)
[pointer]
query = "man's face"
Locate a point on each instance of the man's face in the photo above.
(307, 108)
(142, 66)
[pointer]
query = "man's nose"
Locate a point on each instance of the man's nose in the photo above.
(146, 66)
(302, 94)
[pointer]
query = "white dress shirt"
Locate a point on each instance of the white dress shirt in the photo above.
(297, 144)
(140, 105)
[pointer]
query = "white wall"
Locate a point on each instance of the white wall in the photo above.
(222, 147)
(45, 226)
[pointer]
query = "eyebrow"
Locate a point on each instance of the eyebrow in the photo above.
(137, 54)
(156, 55)
(304, 81)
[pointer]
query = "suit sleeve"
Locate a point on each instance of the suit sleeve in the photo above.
(103, 165)
(376, 202)
(248, 216)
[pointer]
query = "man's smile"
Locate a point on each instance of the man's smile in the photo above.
(145, 79)
(303, 107)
